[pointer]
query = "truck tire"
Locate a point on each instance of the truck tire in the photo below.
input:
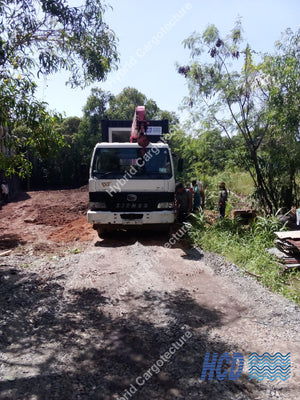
(170, 230)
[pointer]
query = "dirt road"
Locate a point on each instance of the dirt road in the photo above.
(125, 317)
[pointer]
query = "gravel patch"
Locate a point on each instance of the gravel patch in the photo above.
(268, 308)
(68, 332)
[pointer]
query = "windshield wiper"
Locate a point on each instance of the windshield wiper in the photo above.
(102, 174)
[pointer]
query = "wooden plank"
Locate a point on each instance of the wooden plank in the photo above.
(295, 243)
(5, 253)
(288, 235)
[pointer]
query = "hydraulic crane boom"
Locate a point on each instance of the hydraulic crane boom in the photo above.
(139, 127)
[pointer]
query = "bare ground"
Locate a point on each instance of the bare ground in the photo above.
(83, 318)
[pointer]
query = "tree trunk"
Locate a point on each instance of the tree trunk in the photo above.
(265, 194)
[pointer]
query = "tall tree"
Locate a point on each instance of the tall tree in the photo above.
(281, 89)
(171, 116)
(123, 105)
(204, 153)
(237, 101)
(62, 169)
(49, 35)
(89, 130)
(42, 37)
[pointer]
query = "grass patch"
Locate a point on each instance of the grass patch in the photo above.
(246, 247)
(239, 185)
(238, 182)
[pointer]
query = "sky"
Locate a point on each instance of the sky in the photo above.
(150, 35)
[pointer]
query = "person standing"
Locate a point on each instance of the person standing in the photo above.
(198, 196)
(184, 202)
(222, 199)
(5, 191)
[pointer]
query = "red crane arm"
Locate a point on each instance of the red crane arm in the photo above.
(139, 127)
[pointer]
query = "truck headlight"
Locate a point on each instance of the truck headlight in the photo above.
(97, 205)
(165, 205)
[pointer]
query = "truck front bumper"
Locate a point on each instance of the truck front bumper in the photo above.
(130, 218)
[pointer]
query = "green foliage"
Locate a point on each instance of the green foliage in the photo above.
(50, 35)
(266, 226)
(42, 37)
(169, 115)
(281, 74)
(204, 153)
(198, 222)
(89, 129)
(239, 186)
(26, 125)
(123, 105)
(246, 247)
(255, 105)
(70, 165)
(237, 181)
(16, 164)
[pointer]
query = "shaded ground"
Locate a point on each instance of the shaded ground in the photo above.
(10, 241)
(84, 320)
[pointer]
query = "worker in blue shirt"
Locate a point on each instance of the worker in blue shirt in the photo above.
(198, 196)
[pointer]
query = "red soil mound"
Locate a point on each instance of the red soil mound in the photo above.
(78, 230)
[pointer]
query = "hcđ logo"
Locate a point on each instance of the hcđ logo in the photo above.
(225, 366)
(269, 366)
(220, 365)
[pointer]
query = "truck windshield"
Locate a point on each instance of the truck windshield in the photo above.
(116, 163)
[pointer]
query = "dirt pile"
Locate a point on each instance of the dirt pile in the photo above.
(58, 215)
(78, 230)
(55, 216)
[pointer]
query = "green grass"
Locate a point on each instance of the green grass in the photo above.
(238, 182)
(246, 247)
(239, 185)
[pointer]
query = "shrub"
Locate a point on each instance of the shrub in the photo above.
(246, 247)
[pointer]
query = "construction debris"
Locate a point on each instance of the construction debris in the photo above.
(244, 216)
(287, 248)
(290, 220)
(288, 235)
(6, 253)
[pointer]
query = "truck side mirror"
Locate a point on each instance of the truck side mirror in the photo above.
(180, 165)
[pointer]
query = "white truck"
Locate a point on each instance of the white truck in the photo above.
(131, 186)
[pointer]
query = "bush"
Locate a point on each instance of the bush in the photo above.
(246, 247)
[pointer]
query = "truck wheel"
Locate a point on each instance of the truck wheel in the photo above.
(166, 230)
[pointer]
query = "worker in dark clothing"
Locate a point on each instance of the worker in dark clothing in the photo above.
(184, 202)
(222, 199)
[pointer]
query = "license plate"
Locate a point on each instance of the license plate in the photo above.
(132, 221)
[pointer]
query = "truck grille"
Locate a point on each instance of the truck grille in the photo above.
(131, 216)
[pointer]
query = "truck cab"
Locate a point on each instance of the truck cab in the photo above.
(131, 186)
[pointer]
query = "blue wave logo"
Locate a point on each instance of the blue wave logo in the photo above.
(269, 366)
